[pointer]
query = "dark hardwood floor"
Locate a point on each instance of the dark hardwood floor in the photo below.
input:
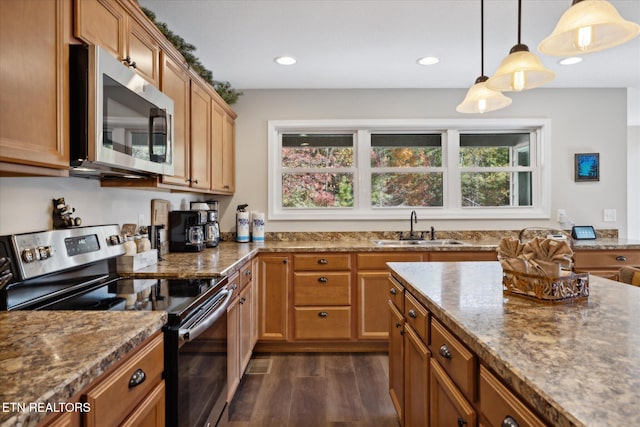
(316, 390)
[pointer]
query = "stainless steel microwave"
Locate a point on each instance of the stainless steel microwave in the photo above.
(120, 124)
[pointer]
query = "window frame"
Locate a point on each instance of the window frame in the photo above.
(539, 128)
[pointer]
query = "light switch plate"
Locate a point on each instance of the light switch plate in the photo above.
(609, 215)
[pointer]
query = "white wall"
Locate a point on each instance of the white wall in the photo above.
(633, 161)
(26, 203)
(592, 120)
(583, 120)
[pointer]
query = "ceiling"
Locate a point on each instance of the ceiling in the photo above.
(375, 43)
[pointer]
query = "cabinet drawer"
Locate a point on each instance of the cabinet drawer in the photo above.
(245, 274)
(497, 404)
(455, 359)
(611, 259)
(379, 261)
(322, 288)
(321, 262)
(322, 323)
(396, 294)
(416, 316)
(108, 397)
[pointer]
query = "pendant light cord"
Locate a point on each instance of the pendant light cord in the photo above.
(482, 37)
(519, 19)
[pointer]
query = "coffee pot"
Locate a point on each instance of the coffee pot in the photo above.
(212, 230)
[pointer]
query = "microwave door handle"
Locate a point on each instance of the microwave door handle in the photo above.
(156, 113)
(191, 333)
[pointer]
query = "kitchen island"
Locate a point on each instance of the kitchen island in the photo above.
(48, 357)
(574, 364)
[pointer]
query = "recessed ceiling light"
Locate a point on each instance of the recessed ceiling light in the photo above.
(570, 61)
(428, 60)
(285, 60)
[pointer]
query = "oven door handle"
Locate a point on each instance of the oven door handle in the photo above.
(192, 332)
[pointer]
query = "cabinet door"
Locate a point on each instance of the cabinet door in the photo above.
(254, 301)
(175, 83)
(373, 294)
(416, 380)
(246, 346)
(396, 359)
(103, 23)
(200, 137)
(448, 407)
(223, 149)
(273, 309)
(150, 412)
(233, 347)
(34, 105)
(144, 51)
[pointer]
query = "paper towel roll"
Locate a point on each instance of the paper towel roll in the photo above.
(258, 227)
(242, 226)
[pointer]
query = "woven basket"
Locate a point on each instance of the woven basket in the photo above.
(563, 289)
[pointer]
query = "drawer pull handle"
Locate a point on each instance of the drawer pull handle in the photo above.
(461, 422)
(509, 422)
(398, 324)
(323, 261)
(247, 272)
(243, 300)
(621, 258)
(323, 279)
(444, 351)
(137, 378)
(412, 313)
(393, 291)
(323, 314)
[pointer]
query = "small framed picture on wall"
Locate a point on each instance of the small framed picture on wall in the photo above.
(587, 167)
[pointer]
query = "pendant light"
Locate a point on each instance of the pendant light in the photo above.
(481, 99)
(521, 70)
(588, 26)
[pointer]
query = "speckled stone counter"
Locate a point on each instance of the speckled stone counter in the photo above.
(229, 256)
(576, 364)
(49, 356)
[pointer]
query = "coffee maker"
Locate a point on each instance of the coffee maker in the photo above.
(212, 230)
(186, 231)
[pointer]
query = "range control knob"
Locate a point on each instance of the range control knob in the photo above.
(115, 239)
(44, 251)
(29, 255)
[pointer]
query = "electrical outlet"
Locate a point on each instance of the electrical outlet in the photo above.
(609, 215)
(140, 219)
(561, 215)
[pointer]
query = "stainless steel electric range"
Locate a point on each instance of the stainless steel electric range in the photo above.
(75, 269)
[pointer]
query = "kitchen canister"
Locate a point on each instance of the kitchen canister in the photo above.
(242, 224)
(258, 227)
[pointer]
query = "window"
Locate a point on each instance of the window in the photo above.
(384, 169)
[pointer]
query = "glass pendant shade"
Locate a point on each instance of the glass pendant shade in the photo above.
(480, 99)
(588, 26)
(521, 70)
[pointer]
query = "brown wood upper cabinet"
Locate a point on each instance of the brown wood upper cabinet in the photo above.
(35, 103)
(106, 23)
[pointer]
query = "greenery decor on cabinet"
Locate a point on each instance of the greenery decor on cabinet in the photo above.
(224, 89)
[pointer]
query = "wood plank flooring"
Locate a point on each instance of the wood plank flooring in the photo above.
(316, 390)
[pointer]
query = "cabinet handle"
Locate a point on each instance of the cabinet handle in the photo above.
(461, 422)
(323, 279)
(242, 300)
(509, 422)
(621, 258)
(226, 187)
(398, 324)
(412, 313)
(137, 378)
(284, 261)
(323, 261)
(444, 351)
(247, 272)
(393, 291)
(323, 314)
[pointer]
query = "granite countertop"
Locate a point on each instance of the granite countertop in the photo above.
(230, 256)
(578, 364)
(46, 357)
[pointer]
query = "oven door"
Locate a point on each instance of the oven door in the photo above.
(199, 372)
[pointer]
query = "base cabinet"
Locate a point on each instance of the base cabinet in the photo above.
(416, 380)
(396, 359)
(273, 296)
(448, 406)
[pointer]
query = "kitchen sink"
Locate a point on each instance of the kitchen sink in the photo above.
(402, 243)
